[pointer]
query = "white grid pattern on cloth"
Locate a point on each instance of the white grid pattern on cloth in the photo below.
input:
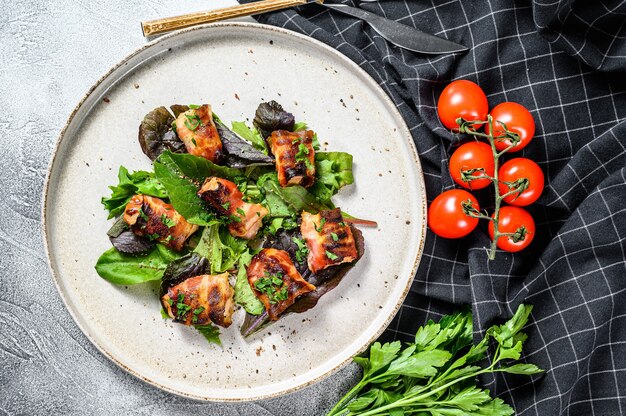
(560, 59)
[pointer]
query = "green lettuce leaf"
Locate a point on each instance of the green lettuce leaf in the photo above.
(220, 248)
(250, 134)
(139, 182)
(244, 295)
(333, 171)
(210, 332)
(289, 201)
(123, 269)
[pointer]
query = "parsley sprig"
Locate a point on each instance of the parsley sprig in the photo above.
(436, 375)
(303, 250)
(273, 286)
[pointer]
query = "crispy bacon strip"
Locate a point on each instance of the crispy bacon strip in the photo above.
(265, 273)
(201, 300)
(328, 238)
(151, 217)
(295, 157)
(196, 129)
(225, 199)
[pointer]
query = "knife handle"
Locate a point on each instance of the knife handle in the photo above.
(158, 26)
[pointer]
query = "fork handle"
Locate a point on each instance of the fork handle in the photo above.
(158, 26)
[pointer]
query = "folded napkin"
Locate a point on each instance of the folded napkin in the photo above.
(565, 62)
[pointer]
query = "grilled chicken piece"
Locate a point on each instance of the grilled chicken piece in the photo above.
(295, 157)
(151, 217)
(275, 281)
(328, 238)
(225, 199)
(201, 300)
(196, 129)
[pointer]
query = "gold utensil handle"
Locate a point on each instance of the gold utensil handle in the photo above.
(158, 26)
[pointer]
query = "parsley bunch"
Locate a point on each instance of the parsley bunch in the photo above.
(436, 375)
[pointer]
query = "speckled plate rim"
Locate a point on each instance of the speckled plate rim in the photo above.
(403, 129)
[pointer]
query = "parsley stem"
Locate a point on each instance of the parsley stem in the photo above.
(416, 397)
(339, 407)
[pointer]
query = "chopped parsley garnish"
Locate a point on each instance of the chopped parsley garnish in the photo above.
(331, 255)
(196, 312)
(153, 237)
(273, 287)
(194, 142)
(192, 122)
(235, 218)
(181, 307)
(168, 239)
(302, 251)
(226, 205)
(143, 215)
(320, 227)
(334, 236)
(241, 212)
(303, 155)
(167, 221)
(170, 301)
(174, 126)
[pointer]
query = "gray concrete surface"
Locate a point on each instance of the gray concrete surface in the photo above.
(51, 52)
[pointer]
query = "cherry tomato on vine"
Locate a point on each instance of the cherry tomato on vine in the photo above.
(446, 216)
(461, 98)
(470, 156)
(517, 119)
(517, 221)
(522, 170)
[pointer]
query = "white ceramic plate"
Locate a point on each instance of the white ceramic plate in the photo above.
(234, 66)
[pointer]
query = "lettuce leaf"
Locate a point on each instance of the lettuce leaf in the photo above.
(250, 134)
(244, 295)
(333, 171)
(124, 269)
(220, 248)
(139, 182)
(289, 201)
(210, 333)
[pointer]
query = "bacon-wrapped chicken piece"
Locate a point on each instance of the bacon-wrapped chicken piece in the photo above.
(330, 241)
(275, 281)
(201, 300)
(295, 157)
(225, 199)
(196, 129)
(150, 217)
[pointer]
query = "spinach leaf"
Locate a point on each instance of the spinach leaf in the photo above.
(220, 248)
(182, 175)
(244, 295)
(139, 182)
(250, 134)
(123, 269)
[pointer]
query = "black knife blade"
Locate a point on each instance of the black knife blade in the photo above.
(404, 36)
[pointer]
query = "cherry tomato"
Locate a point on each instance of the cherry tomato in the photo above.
(464, 99)
(517, 119)
(516, 169)
(514, 220)
(472, 155)
(446, 217)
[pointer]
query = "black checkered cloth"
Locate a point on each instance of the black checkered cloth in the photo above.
(565, 61)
